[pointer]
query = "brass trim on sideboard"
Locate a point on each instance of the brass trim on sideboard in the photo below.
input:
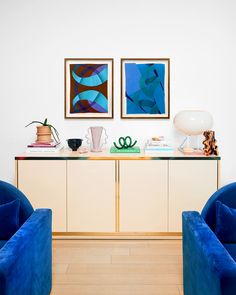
(117, 196)
(218, 174)
(125, 234)
(16, 180)
(137, 157)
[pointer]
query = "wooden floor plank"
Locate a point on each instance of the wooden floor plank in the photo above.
(165, 268)
(181, 290)
(93, 251)
(115, 290)
(151, 259)
(59, 268)
(157, 249)
(118, 279)
(67, 258)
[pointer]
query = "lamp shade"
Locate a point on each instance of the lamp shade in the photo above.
(193, 122)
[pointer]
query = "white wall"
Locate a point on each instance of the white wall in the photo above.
(36, 35)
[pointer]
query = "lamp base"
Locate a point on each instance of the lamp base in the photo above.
(188, 149)
(191, 151)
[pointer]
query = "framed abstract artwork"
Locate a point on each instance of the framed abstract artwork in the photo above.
(145, 88)
(88, 88)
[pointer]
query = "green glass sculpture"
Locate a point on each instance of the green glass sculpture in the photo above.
(125, 145)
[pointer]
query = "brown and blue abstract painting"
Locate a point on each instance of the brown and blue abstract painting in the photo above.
(145, 93)
(88, 88)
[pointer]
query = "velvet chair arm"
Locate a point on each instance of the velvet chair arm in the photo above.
(208, 267)
(26, 259)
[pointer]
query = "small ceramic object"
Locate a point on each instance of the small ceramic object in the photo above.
(125, 143)
(210, 147)
(158, 138)
(83, 150)
(96, 137)
(74, 143)
(44, 134)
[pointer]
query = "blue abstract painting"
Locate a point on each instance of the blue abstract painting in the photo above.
(145, 92)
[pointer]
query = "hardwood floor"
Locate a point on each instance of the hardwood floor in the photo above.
(117, 267)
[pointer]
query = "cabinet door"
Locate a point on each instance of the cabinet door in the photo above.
(191, 183)
(143, 195)
(44, 184)
(91, 196)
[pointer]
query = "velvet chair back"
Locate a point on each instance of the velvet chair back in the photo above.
(227, 195)
(9, 193)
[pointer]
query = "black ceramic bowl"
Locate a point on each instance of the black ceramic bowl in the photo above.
(74, 143)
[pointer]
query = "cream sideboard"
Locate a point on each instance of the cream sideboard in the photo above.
(106, 194)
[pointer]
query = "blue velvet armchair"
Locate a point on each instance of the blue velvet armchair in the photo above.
(209, 265)
(26, 258)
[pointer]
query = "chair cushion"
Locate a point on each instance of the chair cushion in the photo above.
(9, 193)
(225, 223)
(231, 248)
(9, 219)
(227, 195)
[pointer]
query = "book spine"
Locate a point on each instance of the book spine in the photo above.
(38, 150)
(158, 149)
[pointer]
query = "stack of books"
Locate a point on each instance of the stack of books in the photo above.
(157, 144)
(44, 147)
